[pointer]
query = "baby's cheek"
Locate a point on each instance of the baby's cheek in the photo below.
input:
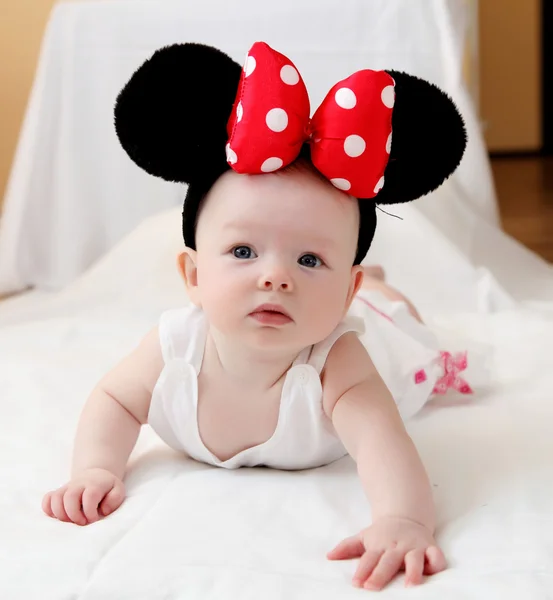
(213, 280)
(333, 303)
(328, 306)
(221, 300)
(332, 295)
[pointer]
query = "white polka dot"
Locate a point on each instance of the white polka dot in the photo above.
(354, 145)
(289, 75)
(345, 98)
(389, 144)
(379, 185)
(239, 112)
(231, 155)
(249, 68)
(389, 96)
(316, 140)
(271, 164)
(341, 184)
(277, 119)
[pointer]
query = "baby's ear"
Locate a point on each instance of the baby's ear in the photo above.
(186, 263)
(356, 281)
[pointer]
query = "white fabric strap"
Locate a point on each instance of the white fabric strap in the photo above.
(182, 335)
(321, 350)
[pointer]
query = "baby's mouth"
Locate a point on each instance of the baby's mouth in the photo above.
(271, 314)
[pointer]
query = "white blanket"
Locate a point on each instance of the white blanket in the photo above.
(190, 531)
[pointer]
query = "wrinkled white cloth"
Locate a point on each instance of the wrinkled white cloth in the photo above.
(487, 458)
(74, 193)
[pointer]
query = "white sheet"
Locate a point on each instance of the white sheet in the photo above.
(74, 193)
(189, 531)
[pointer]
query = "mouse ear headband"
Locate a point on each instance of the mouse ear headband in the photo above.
(190, 112)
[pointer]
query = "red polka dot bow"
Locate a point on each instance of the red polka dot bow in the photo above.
(350, 134)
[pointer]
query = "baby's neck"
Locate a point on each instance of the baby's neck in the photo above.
(248, 366)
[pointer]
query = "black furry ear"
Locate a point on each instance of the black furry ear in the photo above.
(171, 116)
(428, 140)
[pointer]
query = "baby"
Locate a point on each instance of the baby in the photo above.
(266, 364)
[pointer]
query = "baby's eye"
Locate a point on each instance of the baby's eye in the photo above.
(244, 252)
(310, 260)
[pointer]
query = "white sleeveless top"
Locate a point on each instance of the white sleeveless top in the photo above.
(304, 436)
(406, 354)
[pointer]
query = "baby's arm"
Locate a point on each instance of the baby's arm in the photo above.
(106, 434)
(366, 418)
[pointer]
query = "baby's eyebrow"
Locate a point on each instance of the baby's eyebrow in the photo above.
(318, 242)
(239, 225)
(311, 241)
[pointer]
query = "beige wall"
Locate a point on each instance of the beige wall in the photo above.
(510, 73)
(22, 24)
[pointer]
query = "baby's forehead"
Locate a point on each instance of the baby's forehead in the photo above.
(294, 195)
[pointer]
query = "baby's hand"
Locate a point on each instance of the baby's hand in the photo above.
(388, 546)
(93, 494)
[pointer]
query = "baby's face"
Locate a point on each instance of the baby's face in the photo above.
(286, 240)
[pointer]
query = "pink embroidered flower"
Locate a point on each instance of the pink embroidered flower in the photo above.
(452, 364)
(420, 376)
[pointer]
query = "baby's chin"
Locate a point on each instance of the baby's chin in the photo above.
(289, 339)
(269, 341)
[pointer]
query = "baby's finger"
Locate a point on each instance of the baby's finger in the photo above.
(435, 561)
(57, 505)
(414, 567)
(72, 504)
(351, 547)
(92, 496)
(368, 562)
(388, 565)
(113, 500)
(47, 504)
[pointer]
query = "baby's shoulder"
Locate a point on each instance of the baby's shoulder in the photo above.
(320, 352)
(348, 364)
(131, 382)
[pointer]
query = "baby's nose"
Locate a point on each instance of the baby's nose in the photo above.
(276, 278)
